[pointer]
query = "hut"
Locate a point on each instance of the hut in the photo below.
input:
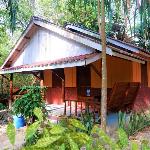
(67, 60)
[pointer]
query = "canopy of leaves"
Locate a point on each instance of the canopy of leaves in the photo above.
(127, 20)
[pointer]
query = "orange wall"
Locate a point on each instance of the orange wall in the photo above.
(48, 78)
(136, 72)
(70, 77)
(95, 78)
(118, 70)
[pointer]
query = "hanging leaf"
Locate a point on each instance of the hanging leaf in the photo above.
(76, 123)
(134, 145)
(73, 145)
(11, 133)
(104, 137)
(81, 138)
(46, 132)
(123, 138)
(31, 130)
(62, 147)
(44, 142)
(38, 113)
(57, 129)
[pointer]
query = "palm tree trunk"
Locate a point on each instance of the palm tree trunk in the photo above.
(104, 67)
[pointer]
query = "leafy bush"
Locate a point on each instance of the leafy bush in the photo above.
(87, 119)
(72, 136)
(26, 104)
(134, 122)
(2, 106)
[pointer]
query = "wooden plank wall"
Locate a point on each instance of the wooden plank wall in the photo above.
(46, 45)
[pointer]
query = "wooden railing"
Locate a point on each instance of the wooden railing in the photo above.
(82, 103)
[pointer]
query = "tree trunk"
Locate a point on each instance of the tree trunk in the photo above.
(32, 3)
(104, 67)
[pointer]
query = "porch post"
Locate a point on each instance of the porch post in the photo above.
(11, 91)
(63, 89)
(42, 83)
(63, 86)
(41, 78)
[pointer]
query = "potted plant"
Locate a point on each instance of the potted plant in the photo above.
(23, 107)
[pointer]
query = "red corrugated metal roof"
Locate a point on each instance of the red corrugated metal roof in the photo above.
(49, 63)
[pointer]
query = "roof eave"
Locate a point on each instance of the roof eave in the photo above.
(22, 37)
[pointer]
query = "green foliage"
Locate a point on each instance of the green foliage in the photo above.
(76, 123)
(22, 80)
(5, 43)
(87, 119)
(56, 133)
(75, 133)
(62, 147)
(12, 8)
(26, 104)
(72, 136)
(145, 145)
(123, 138)
(122, 119)
(122, 17)
(134, 145)
(73, 145)
(134, 123)
(31, 130)
(11, 133)
(45, 142)
(2, 106)
(57, 129)
(106, 140)
(38, 113)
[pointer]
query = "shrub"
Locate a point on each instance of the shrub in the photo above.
(2, 106)
(134, 122)
(87, 119)
(72, 136)
(26, 103)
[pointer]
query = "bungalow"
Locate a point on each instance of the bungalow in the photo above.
(67, 60)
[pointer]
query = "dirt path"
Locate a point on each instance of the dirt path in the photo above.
(4, 141)
(142, 135)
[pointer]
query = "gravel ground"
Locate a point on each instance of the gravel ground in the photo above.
(4, 141)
